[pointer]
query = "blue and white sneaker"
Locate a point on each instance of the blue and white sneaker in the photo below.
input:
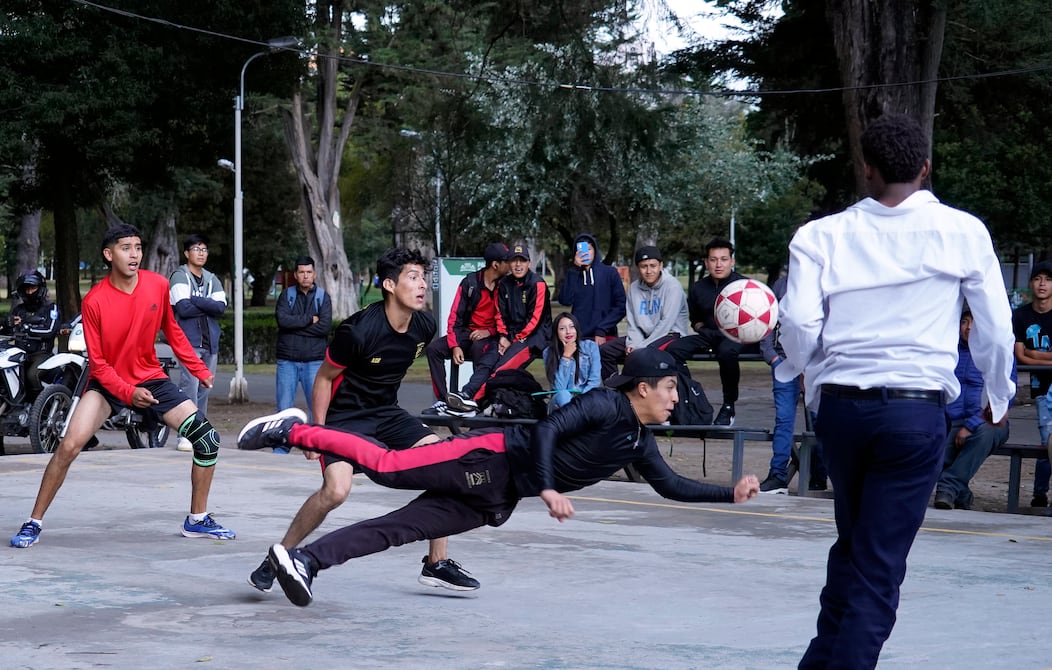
(207, 527)
(27, 536)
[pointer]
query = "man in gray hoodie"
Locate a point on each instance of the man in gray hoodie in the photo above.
(657, 312)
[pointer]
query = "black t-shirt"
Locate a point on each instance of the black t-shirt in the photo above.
(1034, 330)
(375, 358)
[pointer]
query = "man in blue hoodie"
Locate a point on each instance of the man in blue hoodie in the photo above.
(970, 438)
(594, 291)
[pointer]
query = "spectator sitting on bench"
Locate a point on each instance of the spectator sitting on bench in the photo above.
(971, 437)
(472, 326)
(1032, 325)
(719, 261)
(524, 319)
(657, 312)
(570, 363)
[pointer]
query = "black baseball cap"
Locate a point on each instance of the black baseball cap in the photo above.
(498, 251)
(520, 251)
(646, 253)
(1044, 267)
(643, 363)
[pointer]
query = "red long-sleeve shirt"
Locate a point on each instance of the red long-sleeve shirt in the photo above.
(120, 330)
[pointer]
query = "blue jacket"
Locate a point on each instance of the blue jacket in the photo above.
(590, 369)
(968, 407)
(596, 295)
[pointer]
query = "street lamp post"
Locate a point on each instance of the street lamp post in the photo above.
(238, 385)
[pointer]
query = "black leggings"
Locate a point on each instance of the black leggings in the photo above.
(465, 479)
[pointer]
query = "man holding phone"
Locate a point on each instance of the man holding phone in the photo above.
(594, 292)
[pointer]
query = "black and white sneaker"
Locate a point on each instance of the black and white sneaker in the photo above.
(725, 416)
(295, 571)
(774, 484)
(449, 411)
(461, 402)
(271, 431)
(439, 407)
(263, 577)
(448, 574)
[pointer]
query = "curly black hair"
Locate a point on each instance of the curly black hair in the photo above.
(896, 146)
(391, 262)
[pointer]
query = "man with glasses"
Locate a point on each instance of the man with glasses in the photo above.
(198, 300)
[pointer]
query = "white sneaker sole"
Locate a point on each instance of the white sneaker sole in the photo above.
(456, 402)
(292, 412)
(292, 583)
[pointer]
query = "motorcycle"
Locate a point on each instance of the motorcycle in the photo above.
(23, 413)
(69, 374)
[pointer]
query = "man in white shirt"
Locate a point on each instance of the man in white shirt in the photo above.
(870, 318)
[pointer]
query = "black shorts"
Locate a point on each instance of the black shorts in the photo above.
(391, 425)
(168, 397)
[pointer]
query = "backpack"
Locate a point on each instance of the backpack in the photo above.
(319, 297)
(509, 396)
(693, 408)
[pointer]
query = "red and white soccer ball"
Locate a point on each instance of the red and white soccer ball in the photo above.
(746, 311)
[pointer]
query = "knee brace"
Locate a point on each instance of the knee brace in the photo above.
(203, 437)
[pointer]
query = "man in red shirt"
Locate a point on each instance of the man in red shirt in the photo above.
(471, 330)
(124, 372)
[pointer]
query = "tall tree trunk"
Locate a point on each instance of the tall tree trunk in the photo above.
(162, 249)
(67, 248)
(27, 255)
(880, 44)
(318, 165)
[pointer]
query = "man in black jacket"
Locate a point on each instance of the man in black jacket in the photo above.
(304, 315)
(37, 318)
(701, 302)
(477, 478)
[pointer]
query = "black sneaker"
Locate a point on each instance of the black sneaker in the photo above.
(774, 484)
(943, 500)
(461, 402)
(295, 571)
(448, 574)
(1039, 500)
(436, 409)
(725, 416)
(270, 431)
(262, 577)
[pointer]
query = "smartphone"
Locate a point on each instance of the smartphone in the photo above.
(584, 253)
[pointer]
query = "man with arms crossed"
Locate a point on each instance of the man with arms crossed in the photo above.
(357, 390)
(124, 372)
(881, 384)
(477, 478)
(1032, 324)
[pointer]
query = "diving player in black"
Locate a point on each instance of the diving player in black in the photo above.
(356, 390)
(477, 478)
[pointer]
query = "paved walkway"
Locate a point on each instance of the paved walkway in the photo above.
(633, 581)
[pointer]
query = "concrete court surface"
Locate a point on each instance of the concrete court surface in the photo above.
(633, 581)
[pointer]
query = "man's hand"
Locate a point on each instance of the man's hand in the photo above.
(503, 345)
(962, 435)
(746, 488)
(207, 383)
(457, 355)
(315, 319)
(989, 418)
(312, 455)
(477, 335)
(560, 507)
(142, 398)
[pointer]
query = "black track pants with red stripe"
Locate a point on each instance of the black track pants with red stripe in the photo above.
(466, 482)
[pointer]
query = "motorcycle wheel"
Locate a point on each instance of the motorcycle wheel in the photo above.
(142, 439)
(47, 416)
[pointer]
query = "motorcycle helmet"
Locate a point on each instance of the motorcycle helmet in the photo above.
(27, 279)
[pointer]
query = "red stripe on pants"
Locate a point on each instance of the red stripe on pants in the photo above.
(374, 456)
